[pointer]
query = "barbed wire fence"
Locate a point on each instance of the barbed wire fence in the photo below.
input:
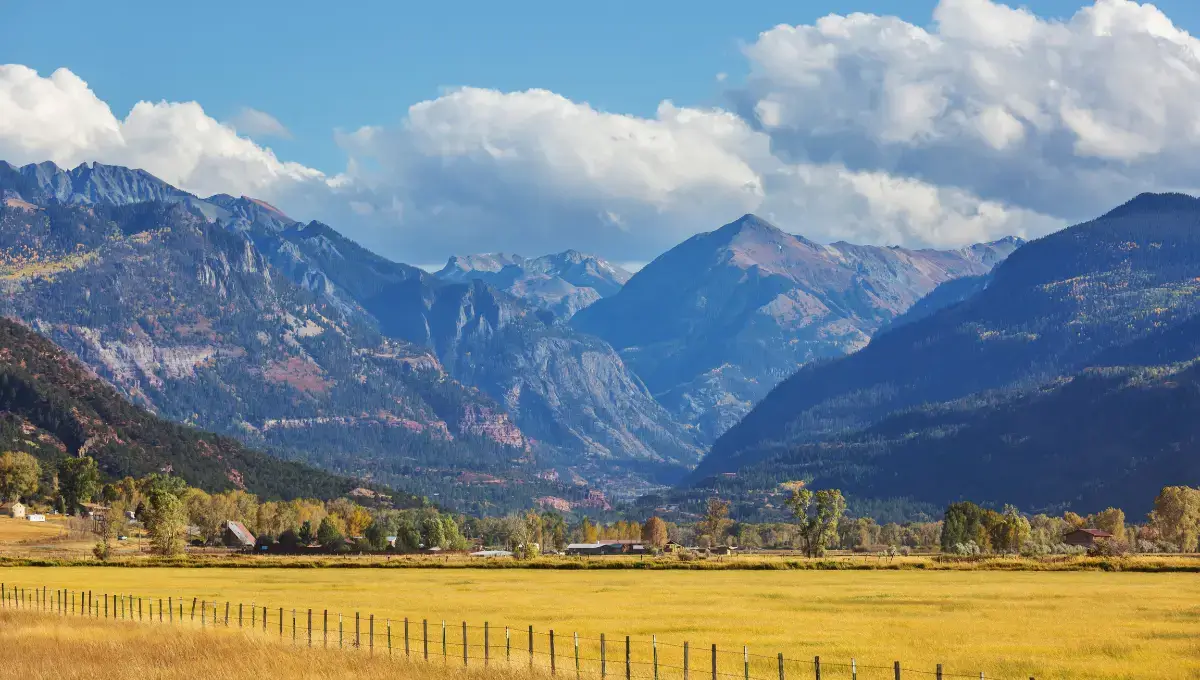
(441, 641)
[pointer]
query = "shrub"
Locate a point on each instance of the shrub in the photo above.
(1108, 548)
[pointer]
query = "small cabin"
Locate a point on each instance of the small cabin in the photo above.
(15, 510)
(1085, 537)
(36, 518)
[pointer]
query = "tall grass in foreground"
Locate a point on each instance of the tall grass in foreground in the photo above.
(39, 646)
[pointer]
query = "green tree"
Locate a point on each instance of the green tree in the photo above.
(167, 522)
(962, 524)
(78, 481)
(452, 538)
(1010, 531)
(328, 534)
(1177, 516)
(1111, 520)
(433, 532)
(716, 521)
(817, 515)
(19, 473)
(306, 533)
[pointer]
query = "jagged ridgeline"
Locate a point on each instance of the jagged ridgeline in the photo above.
(226, 314)
(53, 407)
(1069, 378)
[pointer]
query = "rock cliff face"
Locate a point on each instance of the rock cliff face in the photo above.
(716, 322)
(227, 313)
(563, 283)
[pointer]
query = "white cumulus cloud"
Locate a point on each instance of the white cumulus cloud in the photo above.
(1059, 117)
(58, 118)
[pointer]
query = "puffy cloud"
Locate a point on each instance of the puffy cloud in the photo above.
(538, 172)
(60, 119)
(534, 172)
(259, 124)
(1060, 117)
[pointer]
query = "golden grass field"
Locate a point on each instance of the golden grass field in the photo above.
(35, 647)
(1007, 624)
(53, 539)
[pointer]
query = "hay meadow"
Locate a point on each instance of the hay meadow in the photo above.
(1069, 624)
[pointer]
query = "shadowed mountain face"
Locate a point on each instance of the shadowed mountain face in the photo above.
(1068, 380)
(225, 312)
(53, 407)
(563, 283)
(716, 322)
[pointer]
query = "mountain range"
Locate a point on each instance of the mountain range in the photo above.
(1066, 378)
(716, 322)
(225, 313)
(496, 382)
(561, 283)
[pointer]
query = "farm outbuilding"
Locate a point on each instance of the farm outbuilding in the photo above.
(1085, 537)
(14, 509)
(235, 535)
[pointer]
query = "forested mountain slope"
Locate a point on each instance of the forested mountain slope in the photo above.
(53, 407)
(1068, 379)
(716, 322)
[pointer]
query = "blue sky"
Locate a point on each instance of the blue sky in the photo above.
(415, 128)
(364, 63)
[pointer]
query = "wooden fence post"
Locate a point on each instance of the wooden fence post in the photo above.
(603, 661)
(746, 660)
(203, 606)
(531, 646)
(293, 627)
(406, 636)
(939, 671)
(226, 613)
(781, 666)
(552, 669)
(654, 649)
(445, 646)
(371, 634)
(389, 637)
(507, 646)
(817, 666)
(628, 658)
(310, 627)
(341, 633)
(325, 628)
(714, 662)
(239, 614)
(464, 643)
(193, 609)
(897, 668)
(281, 622)
(685, 660)
(170, 608)
(425, 637)
(576, 656)
(853, 669)
(357, 632)
(486, 652)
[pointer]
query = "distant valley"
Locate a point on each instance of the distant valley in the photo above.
(499, 382)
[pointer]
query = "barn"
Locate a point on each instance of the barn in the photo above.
(1085, 537)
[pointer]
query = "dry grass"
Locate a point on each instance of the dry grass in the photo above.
(14, 530)
(1009, 624)
(58, 538)
(34, 646)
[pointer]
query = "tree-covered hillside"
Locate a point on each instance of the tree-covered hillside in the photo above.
(1067, 379)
